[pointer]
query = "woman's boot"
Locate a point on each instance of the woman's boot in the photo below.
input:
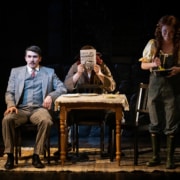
(170, 152)
(156, 150)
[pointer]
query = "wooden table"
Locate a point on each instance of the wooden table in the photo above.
(114, 102)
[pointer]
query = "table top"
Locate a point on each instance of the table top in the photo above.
(93, 98)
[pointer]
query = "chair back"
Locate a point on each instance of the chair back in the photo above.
(141, 103)
(89, 88)
(141, 120)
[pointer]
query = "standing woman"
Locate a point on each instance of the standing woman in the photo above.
(160, 53)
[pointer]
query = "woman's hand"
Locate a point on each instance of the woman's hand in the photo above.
(157, 62)
(175, 71)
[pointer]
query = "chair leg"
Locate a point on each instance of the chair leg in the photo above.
(17, 144)
(49, 151)
(112, 144)
(77, 139)
(73, 136)
(136, 146)
(102, 138)
(47, 148)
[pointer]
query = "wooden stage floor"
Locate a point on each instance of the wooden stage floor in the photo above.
(91, 161)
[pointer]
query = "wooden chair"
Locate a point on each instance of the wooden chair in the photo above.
(141, 117)
(28, 127)
(89, 88)
(141, 122)
(87, 117)
(90, 118)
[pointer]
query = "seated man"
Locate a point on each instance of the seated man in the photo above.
(30, 95)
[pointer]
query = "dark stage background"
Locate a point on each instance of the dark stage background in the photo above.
(60, 27)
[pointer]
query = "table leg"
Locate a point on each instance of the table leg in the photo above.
(118, 134)
(63, 134)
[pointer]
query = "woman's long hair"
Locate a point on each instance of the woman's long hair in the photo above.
(172, 21)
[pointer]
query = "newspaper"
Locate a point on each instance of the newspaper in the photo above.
(88, 58)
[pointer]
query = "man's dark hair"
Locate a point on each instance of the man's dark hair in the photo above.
(87, 47)
(35, 49)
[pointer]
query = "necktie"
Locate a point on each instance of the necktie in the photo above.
(33, 73)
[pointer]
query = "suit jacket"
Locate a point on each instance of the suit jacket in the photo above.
(51, 84)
